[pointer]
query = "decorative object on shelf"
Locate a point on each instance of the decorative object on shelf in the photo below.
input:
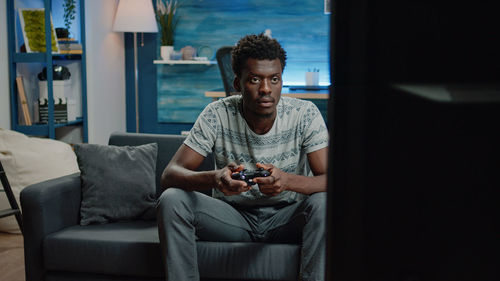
(176, 55)
(206, 52)
(33, 27)
(268, 32)
(60, 111)
(166, 52)
(62, 32)
(135, 16)
(61, 86)
(188, 53)
(328, 7)
(167, 20)
(58, 73)
(312, 77)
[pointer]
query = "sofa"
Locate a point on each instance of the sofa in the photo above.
(58, 248)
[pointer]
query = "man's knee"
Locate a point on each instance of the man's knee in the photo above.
(317, 200)
(170, 199)
(316, 206)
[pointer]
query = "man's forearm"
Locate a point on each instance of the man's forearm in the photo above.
(187, 179)
(306, 185)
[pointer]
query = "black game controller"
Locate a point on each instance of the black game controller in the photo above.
(248, 176)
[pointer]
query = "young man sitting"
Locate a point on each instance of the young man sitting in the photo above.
(258, 129)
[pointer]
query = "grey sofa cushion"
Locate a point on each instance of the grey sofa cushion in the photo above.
(118, 183)
(132, 249)
(167, 147)
(123, 248)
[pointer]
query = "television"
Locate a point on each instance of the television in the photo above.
(414, 164)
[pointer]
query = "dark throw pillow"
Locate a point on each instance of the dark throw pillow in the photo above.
(118, 182)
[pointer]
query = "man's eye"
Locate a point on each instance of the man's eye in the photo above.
(275, 79)
(254, 80)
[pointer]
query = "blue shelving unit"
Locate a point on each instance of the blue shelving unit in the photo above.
(48, 59)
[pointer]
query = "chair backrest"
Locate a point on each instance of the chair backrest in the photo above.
(223, 56)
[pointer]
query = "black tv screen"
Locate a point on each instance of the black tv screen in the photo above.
(414, 165)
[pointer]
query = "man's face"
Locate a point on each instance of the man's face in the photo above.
(260, 85)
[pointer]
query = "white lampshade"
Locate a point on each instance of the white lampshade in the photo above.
(135, 16)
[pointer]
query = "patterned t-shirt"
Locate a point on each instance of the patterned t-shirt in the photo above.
(298, 129)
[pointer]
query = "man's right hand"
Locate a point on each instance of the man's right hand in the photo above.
(226, 184)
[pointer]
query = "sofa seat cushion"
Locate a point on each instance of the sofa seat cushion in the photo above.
(132, 249)
(123, 248)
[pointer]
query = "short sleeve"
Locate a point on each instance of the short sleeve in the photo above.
(202, 136)
(314, 132)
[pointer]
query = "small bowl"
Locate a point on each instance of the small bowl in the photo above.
(176, 55)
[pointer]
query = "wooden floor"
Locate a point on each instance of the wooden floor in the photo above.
(11, 257)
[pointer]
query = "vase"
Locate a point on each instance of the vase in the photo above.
(188, 53)
(165, 52)
(62, 32)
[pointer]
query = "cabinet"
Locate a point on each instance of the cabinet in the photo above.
(22, 64)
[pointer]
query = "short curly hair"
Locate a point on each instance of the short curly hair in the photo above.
(259, 47)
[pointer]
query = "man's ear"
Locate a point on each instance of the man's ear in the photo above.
(236, 84)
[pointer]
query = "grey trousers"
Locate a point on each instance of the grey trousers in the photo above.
(185, 217)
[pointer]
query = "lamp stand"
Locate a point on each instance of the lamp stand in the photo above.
(136, 81)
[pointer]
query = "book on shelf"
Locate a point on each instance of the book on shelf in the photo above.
(69, 43)
(26, 117)
(71, 52)
(67, 39)
(69, 46)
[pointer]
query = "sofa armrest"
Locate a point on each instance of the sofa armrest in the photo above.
(47, 207)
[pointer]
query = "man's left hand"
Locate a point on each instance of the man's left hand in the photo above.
(274, 184)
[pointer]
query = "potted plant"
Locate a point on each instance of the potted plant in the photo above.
(69, 12)
(69, 7)
(167, 21)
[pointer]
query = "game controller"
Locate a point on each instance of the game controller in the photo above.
(248, 176)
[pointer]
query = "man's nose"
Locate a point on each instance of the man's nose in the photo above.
(265, 87)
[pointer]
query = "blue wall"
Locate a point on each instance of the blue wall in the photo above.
(172, 96)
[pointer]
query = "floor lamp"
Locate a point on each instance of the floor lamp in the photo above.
(135, 16)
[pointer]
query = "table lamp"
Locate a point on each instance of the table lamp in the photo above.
(135, 16)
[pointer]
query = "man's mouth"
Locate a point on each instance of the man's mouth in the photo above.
(266, 102)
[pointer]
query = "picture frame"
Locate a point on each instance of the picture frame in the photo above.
(33, 27)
